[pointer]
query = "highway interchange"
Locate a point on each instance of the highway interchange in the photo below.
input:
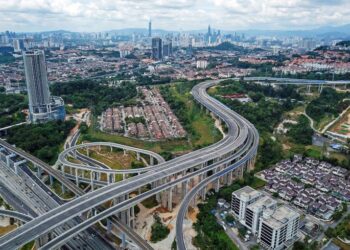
(236, 150)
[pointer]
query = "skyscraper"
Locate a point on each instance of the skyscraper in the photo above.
(42, 107)
(157, 48)
(209, 35)
(150, 28)
(167, 49)
(18, 45)
(36, 79)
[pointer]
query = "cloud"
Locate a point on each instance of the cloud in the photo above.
(99, 15)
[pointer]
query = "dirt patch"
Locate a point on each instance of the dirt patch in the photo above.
(7, 229)
(343, 125)
(170, 227)
(115, 160)
(192, 214)
(166, 219)
(162, 210)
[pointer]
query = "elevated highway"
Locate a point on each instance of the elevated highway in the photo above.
(15, 215)
(236, 151)
(295, 81)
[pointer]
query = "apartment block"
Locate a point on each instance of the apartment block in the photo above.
(278, 228)
(248, 206)
(275, 226)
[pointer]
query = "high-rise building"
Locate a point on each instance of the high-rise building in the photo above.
(241, 199)
(42, 106)
(278, 228)
(167, 49)
(157, 48)
(18, 45)
(202, 64)
(150, 28)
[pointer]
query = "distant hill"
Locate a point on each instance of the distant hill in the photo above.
(331, 32)
(325, 32)
(344, 43)
(227, 46)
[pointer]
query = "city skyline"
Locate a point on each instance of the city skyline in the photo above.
(178, 15)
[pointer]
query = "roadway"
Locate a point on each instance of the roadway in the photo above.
(243, 155)
(14, 125)
(16, 215)
(31, 197)
(277, 80)
(114, 219)
(48, 169)
(91, 164)
(238, 131)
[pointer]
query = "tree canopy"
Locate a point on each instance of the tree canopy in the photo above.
(93, 94)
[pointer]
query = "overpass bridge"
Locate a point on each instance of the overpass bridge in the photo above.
(292, 81)
(215, 164)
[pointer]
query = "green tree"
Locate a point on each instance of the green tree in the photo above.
(158, 231)
(229, 218)
(301, 132)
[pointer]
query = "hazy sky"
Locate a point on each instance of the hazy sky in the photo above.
(100, 15)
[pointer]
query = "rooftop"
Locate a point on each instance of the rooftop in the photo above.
(263, 201)
(279, 216)
(246, 191)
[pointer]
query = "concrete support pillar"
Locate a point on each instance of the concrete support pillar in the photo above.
(123, 241)
(204, 193)
(94, 212)
(216, 183)
(320, 88)
(170, 199)
(138, 156)
(128, 216)
(151, 160)
(229, 178)
(51, 180)
(139, 189)
(8, 157)
(77, 177)
(125, 152)
(17, 164)
(184, 188)
(15, 168)
(164, 199)
(176, 189)
(154, 185)
(38, 173)
(109, 226)
(192, 179)
(193, 201)
(109, 178)
(225, 179)
(92, 181)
